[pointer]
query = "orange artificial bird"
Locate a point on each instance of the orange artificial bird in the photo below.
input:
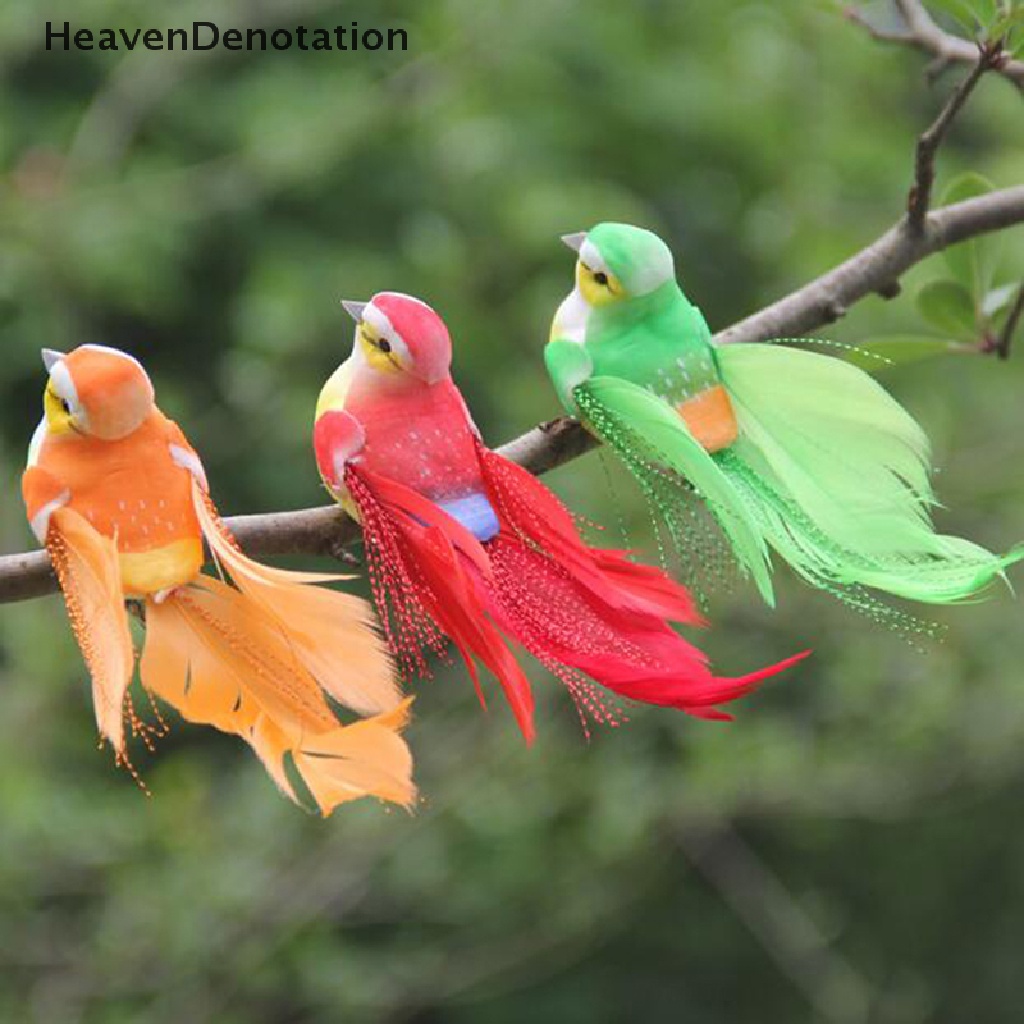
(119, 498)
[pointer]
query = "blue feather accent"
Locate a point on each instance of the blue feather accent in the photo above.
(475, 513)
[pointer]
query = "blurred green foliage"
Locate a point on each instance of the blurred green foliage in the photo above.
(849, 849)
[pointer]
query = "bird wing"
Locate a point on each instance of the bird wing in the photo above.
(43, 494)
(331, 632)
(183, 454)
(337, 437)
(569, 365)
(87, 567)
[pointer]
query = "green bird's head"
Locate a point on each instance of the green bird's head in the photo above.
(619, 261)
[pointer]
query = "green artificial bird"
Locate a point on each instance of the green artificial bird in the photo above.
(792, 451)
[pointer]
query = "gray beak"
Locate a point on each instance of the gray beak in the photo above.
(51, 357)
(354, 309)
(575, 241)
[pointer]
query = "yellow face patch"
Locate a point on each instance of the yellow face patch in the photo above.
(598, 287)
(57, 411)
(378, 351)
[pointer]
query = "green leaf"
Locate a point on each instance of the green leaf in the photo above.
(949, 308)
(966, 186)
(972, 262)
(967, 15)
(1005, 25)
(898, 349)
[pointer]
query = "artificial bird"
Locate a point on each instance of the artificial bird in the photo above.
(466, 544)
(793, 451)
(119, 498)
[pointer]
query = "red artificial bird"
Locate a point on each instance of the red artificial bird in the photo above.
(464, 543)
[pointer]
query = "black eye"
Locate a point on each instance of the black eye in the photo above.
(601, 277)
(384, 346)
(64, 405)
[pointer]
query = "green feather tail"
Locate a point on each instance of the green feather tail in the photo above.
(829, 471)
(843, 467)
(660, 452)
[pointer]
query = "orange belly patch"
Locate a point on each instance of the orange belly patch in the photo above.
(709, 416)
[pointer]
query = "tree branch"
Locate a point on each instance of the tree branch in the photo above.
(923, 34)
(326, 531)
(310, 531)
(875, 268)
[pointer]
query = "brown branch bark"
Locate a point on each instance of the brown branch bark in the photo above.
(326, 531)
(310, 531)
(875, 268)
(922, 33)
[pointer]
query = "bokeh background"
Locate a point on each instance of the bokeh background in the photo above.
(851, 849)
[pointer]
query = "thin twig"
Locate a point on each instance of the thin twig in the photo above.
(920, 197)
(922, 33)
(881, 35)
(1005, 339)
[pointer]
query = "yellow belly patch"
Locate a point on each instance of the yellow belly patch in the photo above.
(147, 572)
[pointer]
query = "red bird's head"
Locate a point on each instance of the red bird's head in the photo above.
(396, 333)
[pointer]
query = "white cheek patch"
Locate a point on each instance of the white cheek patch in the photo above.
(40, 522)
(190, 461)
(592, 258)
(64, 386)
(382, 325)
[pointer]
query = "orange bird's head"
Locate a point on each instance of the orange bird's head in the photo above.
(97, 392)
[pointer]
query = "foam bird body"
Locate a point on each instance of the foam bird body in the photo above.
(465, 544)
(118, 496)
(793, 451)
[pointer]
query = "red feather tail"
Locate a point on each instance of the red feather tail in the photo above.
(527, 509)
(592, 610)
(425, 570)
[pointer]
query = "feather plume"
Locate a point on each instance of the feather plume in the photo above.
(219, 659)
(828, 470)
(86, 565)
(331, 633)
(592, 610)
(829, 443)
(635, 421)
(426, 573)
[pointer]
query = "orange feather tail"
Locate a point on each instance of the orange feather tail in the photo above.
(221, 659)
(87, 567)
(332, 634)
